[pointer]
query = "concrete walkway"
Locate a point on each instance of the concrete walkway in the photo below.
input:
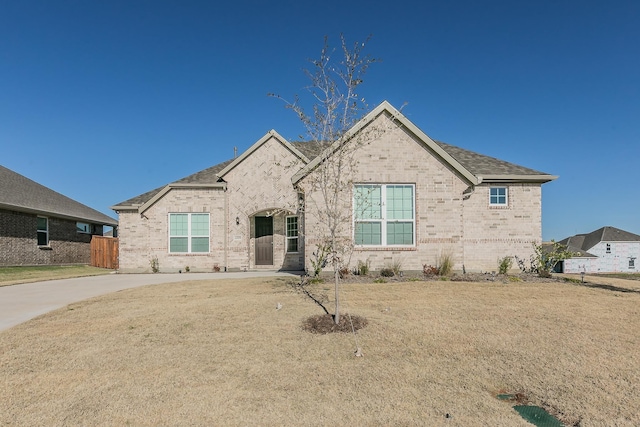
(19, 303)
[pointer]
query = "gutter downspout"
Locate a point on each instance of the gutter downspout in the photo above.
(226, 226)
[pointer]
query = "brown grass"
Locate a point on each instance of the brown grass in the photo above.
(17, 275)
(219, 353)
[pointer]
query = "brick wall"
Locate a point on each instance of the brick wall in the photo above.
(18, 241)
(469, 230)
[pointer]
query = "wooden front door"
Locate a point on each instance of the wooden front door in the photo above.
(264, 240)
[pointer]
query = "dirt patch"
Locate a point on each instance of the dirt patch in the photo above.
(324, 324)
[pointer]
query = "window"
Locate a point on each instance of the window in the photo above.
(83, 227)
(188, 233)
(608, 248)
(632, 263)
(43, 231)
(384, 214)
(498, 196)
(292, 234)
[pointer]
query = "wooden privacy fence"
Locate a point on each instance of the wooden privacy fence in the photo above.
(104, 252)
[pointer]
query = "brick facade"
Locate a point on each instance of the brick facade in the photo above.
(446, 222)
(19, 245)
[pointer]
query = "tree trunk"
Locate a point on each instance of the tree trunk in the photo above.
(336, 277)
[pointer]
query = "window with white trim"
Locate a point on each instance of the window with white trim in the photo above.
(632, 263)
(292, 233)
(384, 214)
(188, 233)
(498, 196)
(43, 231)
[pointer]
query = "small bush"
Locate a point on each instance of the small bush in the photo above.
(395, 266)
(380, 280)
(429, 270)
(363, 268)
(514, 279)
(155, 264)
(387, 272)
(344, 272)
(445, 264)
(504, 264)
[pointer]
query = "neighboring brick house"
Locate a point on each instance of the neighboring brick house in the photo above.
(39, 226)
(605, 250)
(257, 211)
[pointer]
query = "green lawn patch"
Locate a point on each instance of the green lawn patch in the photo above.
(16, 275)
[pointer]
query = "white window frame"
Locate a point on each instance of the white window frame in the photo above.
(384, 220)
(189, 236)
(499, 196)
(45, 231)
(288, 238)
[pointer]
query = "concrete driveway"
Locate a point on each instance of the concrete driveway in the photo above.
(19, 303)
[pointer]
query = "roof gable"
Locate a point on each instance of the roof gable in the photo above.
(271, 134)
(604, 234)
(475, 168)
(22, 194)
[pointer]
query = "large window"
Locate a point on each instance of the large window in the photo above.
(498, 196)
(188, 233)
(384, 214)
(43, 231)
(292, 234)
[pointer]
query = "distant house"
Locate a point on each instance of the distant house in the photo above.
(413, 199)
(39, 226)
(605, 250)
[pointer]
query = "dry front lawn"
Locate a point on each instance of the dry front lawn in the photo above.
(219, 353)
(17, 275)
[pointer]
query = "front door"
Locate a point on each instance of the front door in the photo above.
(264, 240)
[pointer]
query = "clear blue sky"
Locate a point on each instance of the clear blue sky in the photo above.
(105, 100)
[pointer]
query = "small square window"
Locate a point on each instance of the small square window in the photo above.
(498, 196)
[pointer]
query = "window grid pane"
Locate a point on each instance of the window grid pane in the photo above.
(368, 202)
(498, 196)
(292, 226)
(199, 225)
(178, 244)
(199, 244)
(400, 233)
(399, 202)
(368, 233)
(179, 225)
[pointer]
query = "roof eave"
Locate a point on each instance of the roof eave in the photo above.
(142, 208)
(517, 178)
(15, 208)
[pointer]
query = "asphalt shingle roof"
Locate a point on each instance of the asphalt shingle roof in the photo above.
(477, 164)
(587, 241)
(22, 194)
(481, 165)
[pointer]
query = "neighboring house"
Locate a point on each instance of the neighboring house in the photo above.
(41, 227)
(605, 250)
(256, 211)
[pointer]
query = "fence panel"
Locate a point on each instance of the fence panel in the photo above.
(104, 252)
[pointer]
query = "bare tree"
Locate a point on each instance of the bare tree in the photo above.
(337, 107)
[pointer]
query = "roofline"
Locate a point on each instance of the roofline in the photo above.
(146, 205)
(386, 107)
(542, 178)
(112, 223)
(271, 134)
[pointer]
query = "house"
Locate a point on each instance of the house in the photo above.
(605, 250)
(260, 210)
(39, 226)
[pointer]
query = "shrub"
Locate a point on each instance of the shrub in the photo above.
(155, 265)
(380, 280)
(387, 272)
(363, 268)
(504, 264)
(344, 272)
(395, 266)
(429, 270)
(319, 259)
(445, 264)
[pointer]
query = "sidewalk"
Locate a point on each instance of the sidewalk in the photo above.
(20, 303)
